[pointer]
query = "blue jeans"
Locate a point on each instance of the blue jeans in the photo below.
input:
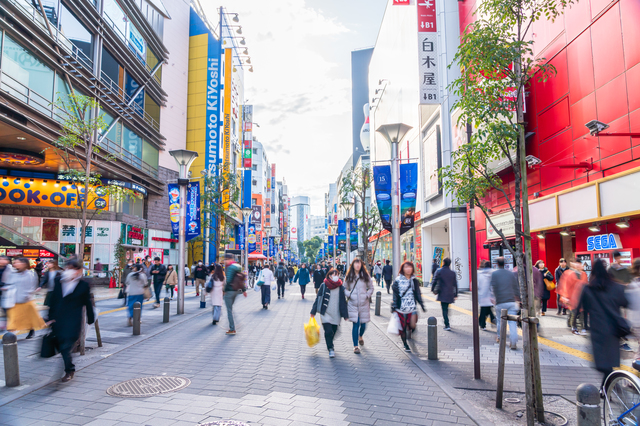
(132, 300)
(512, 309)
(217, 310)
(358, 331)
(229, 298)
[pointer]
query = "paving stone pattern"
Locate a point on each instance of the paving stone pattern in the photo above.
(265, 375)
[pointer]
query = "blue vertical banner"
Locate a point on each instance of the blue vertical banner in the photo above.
(246, 199)
(326, 249)
(193, 211)
(272, 246)
(382, 184)
(330, 244)
(252, 238)
(241, 237)
(408, 191)
(265, 247)
(353, 231)
(174, 208)
(342, 235)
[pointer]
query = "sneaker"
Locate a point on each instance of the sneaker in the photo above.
(67, 377)
(356, 350)
(197, 294)
(543, 313)
(583, 332)
(483, 328)
(214, 322)
(574, 331)
(407, 348)
(625, 347)
(332, 353)
(231, 332)
(361, 341)
(447, 328)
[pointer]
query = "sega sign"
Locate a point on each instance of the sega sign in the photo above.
(603, 242)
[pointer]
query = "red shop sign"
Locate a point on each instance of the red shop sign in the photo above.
(401, 2)
(164, 240)
(46, 253)
(426, 16)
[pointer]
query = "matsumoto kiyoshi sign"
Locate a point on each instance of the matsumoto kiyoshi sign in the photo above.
(43, 193)
(603, 242)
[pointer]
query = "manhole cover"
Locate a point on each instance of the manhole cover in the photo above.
(224, 423)
(512, 400)
(148, 386)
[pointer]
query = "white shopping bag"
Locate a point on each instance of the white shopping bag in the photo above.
(394, 324)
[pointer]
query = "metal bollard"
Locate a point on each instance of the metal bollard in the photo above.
(378, 302)
(432, 338)
(203, 301)
(588, 405)
(137, 308)
(165, 314)
(11, 367)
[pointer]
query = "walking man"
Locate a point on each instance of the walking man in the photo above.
(158, 271)
(484, 295)
(200, 274)
(506, 293)
(445, 285)
(281, 277)
(562, 308)
(387, 275)
(377, 272)
(231, 270)
(318, 277)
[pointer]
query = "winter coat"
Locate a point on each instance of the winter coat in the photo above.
(267, 277)
(216, 293)
(387, 272)
(171, 277)
(200, 272)
(67, 311)
(619, 273)
(484, 287)
(303, 276)
(570, 287)
(546, 276)
(397, 297)
(359, 294)
(504, 286)
(559, 271)
(322, 301)
(377, 269)
(632, 293)
(538, 283)
(136, 282)
(158, 272)
(602, 305)
(448, 285)
(318, 277)
(25, 283)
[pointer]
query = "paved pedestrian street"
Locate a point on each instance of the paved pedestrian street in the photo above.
(265, 375)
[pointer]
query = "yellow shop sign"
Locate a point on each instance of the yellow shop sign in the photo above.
(48, 193)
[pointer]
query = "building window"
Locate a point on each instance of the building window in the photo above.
(153, 110)
(132, 142)
(254, 167)
(150, 155)
(28, 78)
(255, 150)
(152, 61)
(76, 32)
(132, 206)
(131, 87)
(112, 69)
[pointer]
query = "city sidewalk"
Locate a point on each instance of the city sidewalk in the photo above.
(565, 358)
(265, 375)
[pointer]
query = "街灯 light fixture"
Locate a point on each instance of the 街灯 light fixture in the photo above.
(235, 18)
(540, 235)
(565, 232)
(624, 223)
(57, 184)
(595, 227)
(20, 138)
(239, 30)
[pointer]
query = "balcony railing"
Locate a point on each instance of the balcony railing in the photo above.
(120, 153)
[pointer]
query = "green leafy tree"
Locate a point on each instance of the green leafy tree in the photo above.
(120, 257)
(356, 185)
(81, 157)
(497, 63)
(214, 206)
(312, 247)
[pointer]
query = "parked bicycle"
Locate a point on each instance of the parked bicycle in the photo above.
(621, 399)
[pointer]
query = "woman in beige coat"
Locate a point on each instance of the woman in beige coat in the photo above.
(171, 279)
(358, 288)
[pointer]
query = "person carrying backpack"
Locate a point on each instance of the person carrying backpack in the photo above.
(234, 275)
(303, 277)
(281, 278)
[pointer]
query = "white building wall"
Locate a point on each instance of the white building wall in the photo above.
(173, 117)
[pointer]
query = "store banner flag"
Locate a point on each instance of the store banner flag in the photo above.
(330, 244)
(342, 235)
(272, 246)
(265, 247)
(174, 208)
(241, 236)
(408, 192)
(252, 238)
(354, 234)
(382, 183)
(193, 211)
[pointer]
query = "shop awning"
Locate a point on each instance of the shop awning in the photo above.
(257, 257)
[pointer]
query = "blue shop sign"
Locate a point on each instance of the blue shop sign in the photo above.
(603, 242)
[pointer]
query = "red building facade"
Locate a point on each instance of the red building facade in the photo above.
(595, 48)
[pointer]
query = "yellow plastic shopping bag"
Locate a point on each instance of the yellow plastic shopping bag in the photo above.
(312, 332)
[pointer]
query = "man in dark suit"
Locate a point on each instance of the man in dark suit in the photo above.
(70, 294)
(445, 285)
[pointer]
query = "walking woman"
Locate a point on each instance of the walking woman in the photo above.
(358, 288)
(170, 280)
(49, 279)
(136, 282)
(267, 277)
(24, 282)
(70, 293)
(304, 277)
(406, 292)
(542, 292)
(602, 299)
(216, 283)
(332, 305)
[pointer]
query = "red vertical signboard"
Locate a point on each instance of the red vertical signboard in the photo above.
(428, 54)
(427, 16)
(401, 2)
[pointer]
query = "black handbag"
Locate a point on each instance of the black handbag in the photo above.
(49, 346)
(121, 294)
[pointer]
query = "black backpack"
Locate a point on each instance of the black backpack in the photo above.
(281, 273)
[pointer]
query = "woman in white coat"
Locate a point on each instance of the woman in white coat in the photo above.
(358, 288)
(216, 284)
(484, 295)
(267, 278)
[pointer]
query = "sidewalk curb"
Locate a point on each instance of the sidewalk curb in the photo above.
(144, 337)
(471, 411)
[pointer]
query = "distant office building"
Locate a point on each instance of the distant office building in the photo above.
(300, 214)
(316, 225)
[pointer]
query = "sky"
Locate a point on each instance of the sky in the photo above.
(301, 84)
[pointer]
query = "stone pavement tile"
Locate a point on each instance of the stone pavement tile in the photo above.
(302, 418)
(332, 422)
(78, 420)
(102, 422)
(281, 414)
(246, 417)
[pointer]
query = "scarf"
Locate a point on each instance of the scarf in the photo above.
(331, 284)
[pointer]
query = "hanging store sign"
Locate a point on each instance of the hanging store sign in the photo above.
(603, 242)
(506, 222)
(342, 235)
(408, 191)
(193, 211)
(43, 193)
(428, 52)
(353, 231)
(121, 184)
(212, 138)
(45, 253)
(252, 238)
(164, 240)
(382, 183)
(174, 207)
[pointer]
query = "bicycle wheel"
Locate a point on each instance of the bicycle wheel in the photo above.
(622, 399)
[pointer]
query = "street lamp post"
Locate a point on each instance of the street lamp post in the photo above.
(346, 205)
(335, 241)
(184, 158)
(393, 133)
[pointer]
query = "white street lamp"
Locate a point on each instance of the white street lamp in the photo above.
(394, 133)
(184, 158)
(346, 205)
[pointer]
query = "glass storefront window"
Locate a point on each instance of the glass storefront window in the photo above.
(67, 250)
(132, 142)
(13, 222)
(150, 155)
(29, 78)
(112, 69)
(31, 227)
(115, 134)
(116, 17)
(133, 206)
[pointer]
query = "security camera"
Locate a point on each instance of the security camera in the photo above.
(596, 127)
(532, 161)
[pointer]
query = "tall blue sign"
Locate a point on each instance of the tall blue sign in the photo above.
(353, 231)
(252, 238)
(265, 247)
(272, 246)
(408, 191)
(174, 208)
(382, 184)
(241, 236)
(193, 211)
(342, 235)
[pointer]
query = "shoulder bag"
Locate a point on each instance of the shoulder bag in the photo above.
(260, 281)
(354, 287)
